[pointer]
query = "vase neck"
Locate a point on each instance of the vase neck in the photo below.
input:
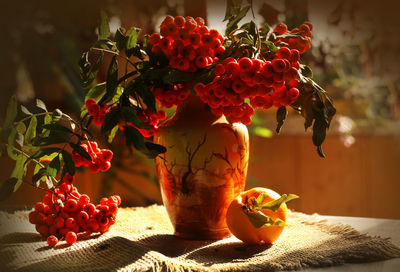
(193, 111)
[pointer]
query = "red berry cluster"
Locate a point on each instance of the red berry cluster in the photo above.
(98, 112)
(172, 96)
(100, 158)
(266, 83)
(151, 119)
(304, 30)
(64, 212)
(188, 43)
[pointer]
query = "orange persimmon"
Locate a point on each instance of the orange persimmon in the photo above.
(242, 228)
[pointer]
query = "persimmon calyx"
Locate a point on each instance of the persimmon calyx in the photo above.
(253, 206)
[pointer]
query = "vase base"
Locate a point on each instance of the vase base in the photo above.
(201, 234)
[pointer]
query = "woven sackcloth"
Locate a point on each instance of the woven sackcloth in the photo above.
(142, 240)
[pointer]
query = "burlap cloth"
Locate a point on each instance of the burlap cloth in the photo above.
(142, 240)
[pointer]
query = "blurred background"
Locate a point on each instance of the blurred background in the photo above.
(355, 56)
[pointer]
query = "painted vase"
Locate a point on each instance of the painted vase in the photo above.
(204, 168)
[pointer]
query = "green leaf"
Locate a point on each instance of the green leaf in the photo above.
(306, 71)
(51, 139)
(134, 137)
(265, 28)
(104, 28)
(69, 163)
(11, 144)
(260, 199)
(120, 39)
(259, 220)
(39, 174)
(112, 80)
(91, 75)
(21, 128)
(84, 65)
(57, 127)
(130, 116)
(45, 152)
(19, 171)
(281, 114)
(7, 188)
(112, 134)
(96, 92)
(153, 150)
(131, 42)
(232, 9)
(271, 46)
(262, 132)
(54, 167)
(31, 132)
(40, 104)
(233, 23)
(12, 110)
(111, 120)
(275, 204)
(25, 110)
(81, 151)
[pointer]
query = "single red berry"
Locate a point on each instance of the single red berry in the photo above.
(83, 216)
(281, 28)
(179, 21)
(284, 53)
(52, 241)
(43, 230)
(245, 64)
(64, 187)
(90, 209)
(34, 217)
(71, 237)
(84, 199)
(40, 207)
(154, 38)
(50, 219)
(68, 179)
(104, 201)
(70, 223)
(278, 65)
(219, 70)
(71, 205)
(59, 222)
(93, 109)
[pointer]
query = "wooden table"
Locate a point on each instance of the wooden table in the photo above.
(374, 227)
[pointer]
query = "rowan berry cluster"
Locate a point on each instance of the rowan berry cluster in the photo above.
(100, 158)
(150, 119)
(302, 44)
(64, 213)
(96, 111)
(187, 43)
(172, 96)
(266, 83)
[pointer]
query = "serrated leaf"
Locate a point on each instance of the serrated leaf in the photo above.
(21, 128)
(281, 114)
(131, 40)
(258, 219)
(12, 110)
(31, 131)
(81, 151)
(120, 39)
(25, 110)
(54, 167)
(96, 92)
(69, 163)
(104, 28)
(40, 104)
(275, 204)
(7, 188)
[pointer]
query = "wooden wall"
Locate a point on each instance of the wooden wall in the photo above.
(362, 180)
